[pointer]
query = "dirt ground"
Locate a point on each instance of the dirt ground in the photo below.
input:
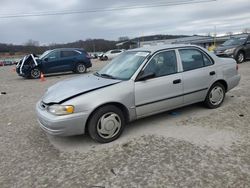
(188, 147)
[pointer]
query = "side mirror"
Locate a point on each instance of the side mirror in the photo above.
(146, 76)
(46, 59)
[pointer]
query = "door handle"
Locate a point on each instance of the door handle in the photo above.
(177, 81)
(212, 73)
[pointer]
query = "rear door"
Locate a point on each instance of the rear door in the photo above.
(164, 91)
(198, 74)
(68, 60)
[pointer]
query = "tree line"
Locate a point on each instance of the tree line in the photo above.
(90, 45)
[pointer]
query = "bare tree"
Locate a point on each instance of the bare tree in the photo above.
(31, 42)
(125, 38)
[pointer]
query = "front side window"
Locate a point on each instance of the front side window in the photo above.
(162, 64)
(53, 55)
(193, 59)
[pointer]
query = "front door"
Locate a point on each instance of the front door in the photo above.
(51, 63)
(163, 91)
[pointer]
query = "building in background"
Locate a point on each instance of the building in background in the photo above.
(203, 41)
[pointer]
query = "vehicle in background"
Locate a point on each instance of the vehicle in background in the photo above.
(6, 63)
(138, 83)
(93, 55)
(54, 61)
(111, 54)
(235, 47)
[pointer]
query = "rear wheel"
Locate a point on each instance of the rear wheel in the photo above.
(215, 96)
(35, 73)
(240, 57)
(106, 124)
(80, 68)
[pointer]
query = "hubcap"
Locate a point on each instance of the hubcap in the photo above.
(109, 125)
(216, 95)
(240, 57)
(81, 68)
(35, 73)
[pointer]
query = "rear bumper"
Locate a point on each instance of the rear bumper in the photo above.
(233, 82)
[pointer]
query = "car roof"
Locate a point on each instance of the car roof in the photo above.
(79, 49)
(155, 48)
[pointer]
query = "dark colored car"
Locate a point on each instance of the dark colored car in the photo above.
(54, 61)
(235, 47)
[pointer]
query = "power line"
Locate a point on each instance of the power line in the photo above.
(69, 12)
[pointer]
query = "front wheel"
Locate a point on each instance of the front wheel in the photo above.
(215, 96)
(240, 57)
(106, 124)
(35, 73)
(80, 68)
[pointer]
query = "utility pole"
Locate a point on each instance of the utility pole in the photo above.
(215, 34)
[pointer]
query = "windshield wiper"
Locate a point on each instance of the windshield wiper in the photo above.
(108, 76)
(104, 75)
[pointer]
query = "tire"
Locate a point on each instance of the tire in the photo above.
(215, 96)
(80, 68)
(106, 124)
(35, 73)
(240, 57)
(105, 58)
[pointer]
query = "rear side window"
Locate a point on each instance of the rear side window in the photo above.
(193, 59)
(68, 53)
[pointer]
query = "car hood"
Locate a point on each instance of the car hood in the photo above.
(74, 87)
(223, 48)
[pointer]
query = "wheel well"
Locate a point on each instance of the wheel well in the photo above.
(118, 105)
(224, 83)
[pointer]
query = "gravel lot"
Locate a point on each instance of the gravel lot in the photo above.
(188, 147)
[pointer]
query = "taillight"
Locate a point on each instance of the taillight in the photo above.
(237, 67)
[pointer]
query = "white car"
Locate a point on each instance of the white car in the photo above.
(111, 54)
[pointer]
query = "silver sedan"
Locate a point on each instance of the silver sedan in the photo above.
(136, 84)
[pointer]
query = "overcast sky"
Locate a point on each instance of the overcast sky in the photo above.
(199, 18)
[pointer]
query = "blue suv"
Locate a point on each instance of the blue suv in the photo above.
(54, 61)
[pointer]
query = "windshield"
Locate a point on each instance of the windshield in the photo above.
(124, 66)
(235, 41)
(44, 54)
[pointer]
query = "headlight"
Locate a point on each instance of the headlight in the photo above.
(61, 109)
(229, 51)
